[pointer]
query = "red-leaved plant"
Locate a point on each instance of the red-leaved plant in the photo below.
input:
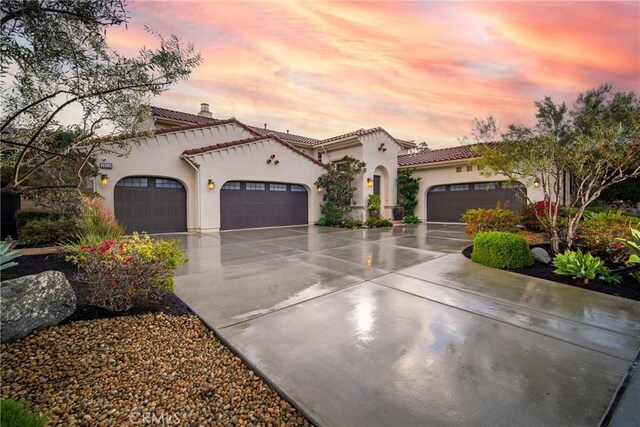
(128, 271)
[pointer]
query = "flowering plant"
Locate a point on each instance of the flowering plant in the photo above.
(128, 271)
(498, 219)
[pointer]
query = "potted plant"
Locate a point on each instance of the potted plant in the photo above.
(373, 205)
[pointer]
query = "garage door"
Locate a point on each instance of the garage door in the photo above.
(262, 204)
(154, 205)
(447, 203)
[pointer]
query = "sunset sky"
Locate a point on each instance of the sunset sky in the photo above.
(422, 70)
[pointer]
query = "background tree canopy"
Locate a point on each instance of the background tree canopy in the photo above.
(54, 58)
(595, 143)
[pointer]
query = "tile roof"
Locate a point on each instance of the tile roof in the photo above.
(180, 116)
(199, 121)
(405, 143)
(359, 132)
(222, 145)
(179, 128)
(441, 155)
(286, 136)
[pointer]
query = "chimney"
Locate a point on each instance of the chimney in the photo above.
(265, 125)
(287, 130)
(204, 111)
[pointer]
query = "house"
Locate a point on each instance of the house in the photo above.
(201, 173)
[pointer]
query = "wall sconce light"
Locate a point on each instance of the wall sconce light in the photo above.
(319, 189)
(536, 183)
(369, 183)
(104, 179)
(211, 185)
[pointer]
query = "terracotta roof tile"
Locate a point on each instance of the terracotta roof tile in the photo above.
(286, 136)
(199, 121)
(179, 128)
(222, 145)
(440, 155)
(179, 115)
(359, 132)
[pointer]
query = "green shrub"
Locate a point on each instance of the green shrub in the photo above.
(583, 266)
(498, 219)
(408, 188)
(378, 222)
(23, 217)
(599, 232)
(332, 214)
(129, 271)
(501, 250)
(633, 246)
(7, 256)
(373, 202)
(15, 414)
(352, 223)
(322, 221)
(411, 219)
(44, 232)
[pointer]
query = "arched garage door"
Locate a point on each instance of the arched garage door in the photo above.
(447, 203)
(151, 204)
(262, 204)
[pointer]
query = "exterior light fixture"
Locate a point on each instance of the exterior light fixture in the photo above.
(104, 179)
(211, 185)
(369, 183)
(536, 183)
(319, 189)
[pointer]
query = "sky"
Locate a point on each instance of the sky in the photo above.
(421, 70)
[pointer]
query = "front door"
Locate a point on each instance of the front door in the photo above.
(376, 184)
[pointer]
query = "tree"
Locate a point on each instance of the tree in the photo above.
(55, 58)
(596, 144)
(408, 187)
(338, 188)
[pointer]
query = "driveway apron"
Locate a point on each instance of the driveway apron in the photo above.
(395, 327)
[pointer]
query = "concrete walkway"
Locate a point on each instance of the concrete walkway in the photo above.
(395, 327)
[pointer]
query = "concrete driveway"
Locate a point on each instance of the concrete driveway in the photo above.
(395, 327)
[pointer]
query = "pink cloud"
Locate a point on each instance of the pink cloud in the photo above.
(422, 70)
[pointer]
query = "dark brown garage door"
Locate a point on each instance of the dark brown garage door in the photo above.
(447, 203)
(154, 205)
(262, 204)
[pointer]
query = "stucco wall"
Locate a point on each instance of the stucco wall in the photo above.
(159, 155)
(446, 174)
(387, 163)
(248, 162)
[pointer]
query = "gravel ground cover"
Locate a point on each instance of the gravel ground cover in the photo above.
(152, 369)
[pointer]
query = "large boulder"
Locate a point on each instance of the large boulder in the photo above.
(33, 302)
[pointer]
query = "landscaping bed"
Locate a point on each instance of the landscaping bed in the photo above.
(158, 369)
(628, 288)
(34, 264)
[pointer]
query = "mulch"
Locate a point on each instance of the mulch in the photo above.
(34, 264)
(628, 288)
